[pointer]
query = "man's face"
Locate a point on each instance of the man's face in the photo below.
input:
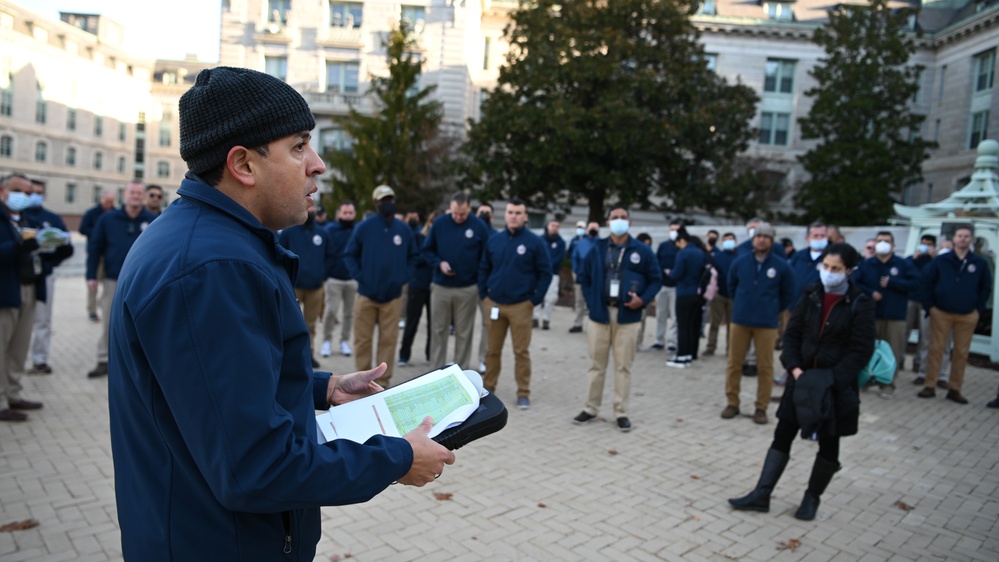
(14, 185)
(930, 245)
(286, 180)
(553, 228)
(674, 226)
(107, 200)
(728, 237)
(593, 227)
(619, 214)
(516, 216)
(460, 211)
(154, 198)
(134, 194)
(484, 210)
(817, 233)
(347, 212)
(883, 238)
(962, 239)
(762, 243)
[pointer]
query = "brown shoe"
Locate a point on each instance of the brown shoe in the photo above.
(730, 412)
(12, 415)
(955, 396)
(24, 405)
(927, 392)
(101, 370)
(943, 385)
(919, 381)
(40, 369)
(760, 416)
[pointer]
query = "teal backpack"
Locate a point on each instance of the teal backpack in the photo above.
(882, 365)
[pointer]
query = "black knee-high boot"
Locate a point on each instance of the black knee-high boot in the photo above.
(759, 498)
(822, 473)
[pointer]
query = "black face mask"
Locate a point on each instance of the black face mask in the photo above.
(593, 233)
(486, 218)
(347, 223)
(413, 223)
(712, 241)
(386, 209)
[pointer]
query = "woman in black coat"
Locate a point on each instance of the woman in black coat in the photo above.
(828, 341)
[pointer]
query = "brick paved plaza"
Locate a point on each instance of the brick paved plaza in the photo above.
(545, 489)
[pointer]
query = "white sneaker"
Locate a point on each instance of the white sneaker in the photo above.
(345, 348)
(677, 364)
(482, 367)
(327, 348)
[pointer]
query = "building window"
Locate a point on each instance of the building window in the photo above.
(415, 16)
(342, 76)
(979, 128)
(71, 157)
(97, 194)
(711, 61)
(41, 151)
(71, 192)
(122, 165)
(346, 14)
(6, 101)
(486, 47)
(779, 76)
(70, 119)
(276, 67)
(6, 146)
(164, 135)
(98, 160)
(943, 81)
(780, 11)
(334, 138)
(985, 64)
(707, 8)
(6, 86)
(122, 132)
(774, 128)
(277, 11)
(162, 169)
(98, 126)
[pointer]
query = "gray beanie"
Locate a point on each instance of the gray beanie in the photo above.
(230, 106)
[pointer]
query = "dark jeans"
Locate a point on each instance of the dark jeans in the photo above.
(688, 325)
(787, 431)
(418, 298)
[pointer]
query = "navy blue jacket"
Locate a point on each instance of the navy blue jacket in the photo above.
(556, 251)
(381, 255)
(578, 255)
(45, 218)
(958, 286)
(666, 254)
(515, 267)
(339, 236)
(423, 272)
(805, 270)
(213, 397)
(90, 218)
(12, 260)
(723, 262)
(571, 249)
(112, 238)
(903, 280)
(919, 293)
(687, 269)
(460, 245)
(760, 291)
(640, 274)
(311, 243)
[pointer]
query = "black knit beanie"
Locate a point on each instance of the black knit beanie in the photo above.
(230, 106)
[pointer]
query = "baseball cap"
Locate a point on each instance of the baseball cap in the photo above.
(381, 192)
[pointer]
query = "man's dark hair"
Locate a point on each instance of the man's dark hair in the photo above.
(345, 202)
(964, 226)
(485, 204)
(214, 176)
(928, 238)
(153, 186)
(461, 198)
(7, 178)
(682, 234)
(713, 231)
(616, 207)
(816, 224)
(727, 234)
(644, 238)
(886, 233)
(678, 222)
(517, 201)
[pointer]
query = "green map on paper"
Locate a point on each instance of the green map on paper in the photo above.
(437, 399)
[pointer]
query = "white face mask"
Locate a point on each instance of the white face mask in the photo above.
(728, 244)
(818, 245)
(619, 227)
(36, 199)
(672, 235)
(831, 280)
(882, 248)
(18, 201)
(943, 251)
(922, 248)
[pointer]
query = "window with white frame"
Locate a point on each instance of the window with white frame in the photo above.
(96, 195)
(276, 67)
(779, 76)
(70, 119)
(98, 160)
(277, 11)
(122, 165)
(166, 127)
(6, 146)
(70, 192)
(98, 126)
(985, 64)
(7, 101)
(346, 14)
(979, 128)
(122, 132)
(342, 76)
(707, 8)
(71, 157)
(41, 106)
(774, 128)
(413, 15)
(6, 86)
(41, 151)
(334, 139)
(780, 11)
(162, 169)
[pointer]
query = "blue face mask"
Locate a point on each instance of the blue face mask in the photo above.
(818, 245)
(728, 244)
(922, 248)
(619, 227)
(18, 201)
(580, 232)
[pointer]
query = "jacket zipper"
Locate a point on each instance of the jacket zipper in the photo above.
(286, 520)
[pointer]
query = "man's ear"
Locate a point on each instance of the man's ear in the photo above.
(241, 165)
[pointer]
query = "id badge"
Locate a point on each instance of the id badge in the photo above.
(494, 313)
(615, 288)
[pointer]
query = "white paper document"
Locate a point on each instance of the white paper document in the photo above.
(447, 395)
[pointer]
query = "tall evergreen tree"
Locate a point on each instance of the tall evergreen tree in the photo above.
(608, 102)
(870, 148)
(402, 144)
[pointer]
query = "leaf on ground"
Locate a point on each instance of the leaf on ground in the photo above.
(542, 506)
(903, 506)
(612, 452)
(791, 545)
(694, 477)
(19, 525)
(694, 518)
(442, 496)
(679, 420)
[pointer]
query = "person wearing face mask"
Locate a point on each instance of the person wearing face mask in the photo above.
(805, 264)
(829, 339)
(311, 243)
(720, 309)
(620, 277)
(381, 256)
(22, 283)
(485, 214)
(341, 288)
(666, 328)
(915, 319)
(41, 342)
(556, 247)
(686, 273)
(957, 286)
(890, 281)
(711, 240)
(577, 256)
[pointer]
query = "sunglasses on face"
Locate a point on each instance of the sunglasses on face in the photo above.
(154, 196)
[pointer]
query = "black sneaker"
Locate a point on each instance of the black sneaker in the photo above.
(624, 424)
(100, 371)
(544, 325)
(748, 370)
(575, 329)
(534, 323)
(658, 346)
(583, 417)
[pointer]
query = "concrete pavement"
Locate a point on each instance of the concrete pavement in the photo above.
(545, 489)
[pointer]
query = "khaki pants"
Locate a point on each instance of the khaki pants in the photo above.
(339, 291)
(458, 304)
(941, 324)
(580, 304)
(544, 310)
(894, 332)
(604, 338)
(107, 297)
(516, 317)
(15, 336)
(738, 344)
(719, 312)
(311, 301)
(367, 315)
(92, 297)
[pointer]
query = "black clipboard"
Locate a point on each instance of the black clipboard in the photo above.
(489, 418)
